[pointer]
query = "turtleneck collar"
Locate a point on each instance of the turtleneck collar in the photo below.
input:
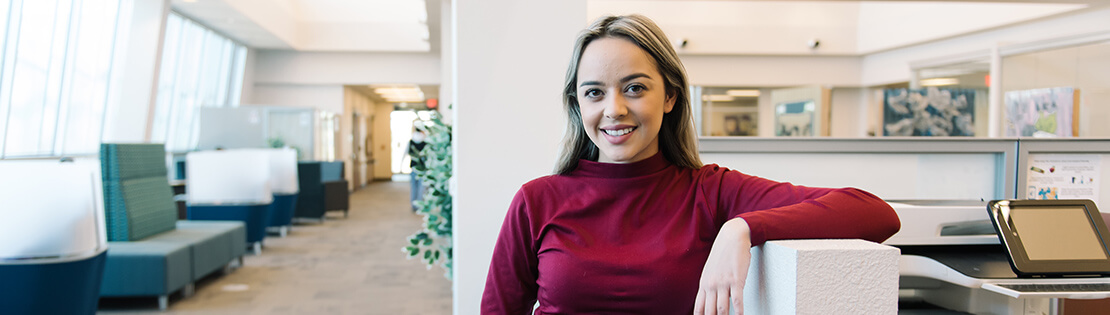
(646, 166)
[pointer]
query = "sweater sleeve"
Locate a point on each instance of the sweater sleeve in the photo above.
(780, 210)
(511, 282)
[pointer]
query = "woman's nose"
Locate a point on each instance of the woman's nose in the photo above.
(616, 107)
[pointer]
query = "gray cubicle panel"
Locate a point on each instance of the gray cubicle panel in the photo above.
(893, 168)
(1098, 150)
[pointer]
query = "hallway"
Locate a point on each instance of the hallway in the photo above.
(342, 266)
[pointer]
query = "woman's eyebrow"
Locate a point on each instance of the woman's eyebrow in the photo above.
(625, 79)
(634, 76)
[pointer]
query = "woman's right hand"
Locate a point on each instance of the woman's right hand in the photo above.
(725, 271)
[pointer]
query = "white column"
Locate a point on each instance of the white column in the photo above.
(994, 105)
(822, 277)
(510, 60)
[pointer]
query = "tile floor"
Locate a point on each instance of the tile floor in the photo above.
(341, 266)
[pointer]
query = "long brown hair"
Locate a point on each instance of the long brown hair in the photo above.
(677, 139)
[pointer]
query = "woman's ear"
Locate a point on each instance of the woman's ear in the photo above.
(668, 104)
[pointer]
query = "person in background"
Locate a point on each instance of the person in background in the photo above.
(633, 222)
(416, 162)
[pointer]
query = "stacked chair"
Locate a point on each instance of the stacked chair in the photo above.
(150, 253)
(231, 185)
(283, 183)
(52, 246)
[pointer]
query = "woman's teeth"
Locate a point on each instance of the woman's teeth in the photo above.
(618, 132)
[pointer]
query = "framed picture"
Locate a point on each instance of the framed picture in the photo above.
(795, 119)
(743, 124)
(929, 112)
(1050, 112)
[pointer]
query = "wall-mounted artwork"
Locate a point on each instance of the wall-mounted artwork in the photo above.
(742, 124)
(929, 112)
(1042, 113)
(795, 119)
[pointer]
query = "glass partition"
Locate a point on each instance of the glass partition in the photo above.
(1067, 82)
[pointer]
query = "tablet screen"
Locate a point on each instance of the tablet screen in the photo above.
(1057, 233)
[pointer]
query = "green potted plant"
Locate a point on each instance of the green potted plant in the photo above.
(432, 244)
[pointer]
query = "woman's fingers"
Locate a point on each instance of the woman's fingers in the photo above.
(737, 299)
(711, 303)
(699, 303)
(722, 301)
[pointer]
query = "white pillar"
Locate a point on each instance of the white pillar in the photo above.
(510, 60)
(822, 277)
(994, 105)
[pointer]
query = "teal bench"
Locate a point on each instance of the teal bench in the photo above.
(150, 252)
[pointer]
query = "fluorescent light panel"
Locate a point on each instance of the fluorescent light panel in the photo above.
(399, 93)
(743, 93)
(716, 98)
(940, 82)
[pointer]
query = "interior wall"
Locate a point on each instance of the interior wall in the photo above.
(382, 138)
(772, 71)
(746, 27)
(886, 25)
(893, 66)
(508, 118)
(358, 106)
(338, 68)
(848, 113)
(323, 97)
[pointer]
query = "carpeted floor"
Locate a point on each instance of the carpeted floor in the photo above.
(341, 266)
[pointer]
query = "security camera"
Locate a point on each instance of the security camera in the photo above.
(813, 43)
(681, 43)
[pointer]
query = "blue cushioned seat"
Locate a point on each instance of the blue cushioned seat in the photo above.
(146, 269)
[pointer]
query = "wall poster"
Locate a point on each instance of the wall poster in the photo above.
(1063, 176)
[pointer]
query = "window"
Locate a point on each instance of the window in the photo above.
(56, 58)
(200, 68)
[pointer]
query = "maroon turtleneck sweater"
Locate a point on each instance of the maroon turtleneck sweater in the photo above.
(633, 238)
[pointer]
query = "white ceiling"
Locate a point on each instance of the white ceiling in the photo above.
(711, 27)
(319, 25)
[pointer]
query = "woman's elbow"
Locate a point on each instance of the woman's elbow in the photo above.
(885, 223)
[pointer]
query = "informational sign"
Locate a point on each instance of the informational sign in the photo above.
(1063, 176)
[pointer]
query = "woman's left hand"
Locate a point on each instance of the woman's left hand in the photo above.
(725, 271)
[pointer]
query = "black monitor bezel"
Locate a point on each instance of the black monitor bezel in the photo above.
(1019, 259)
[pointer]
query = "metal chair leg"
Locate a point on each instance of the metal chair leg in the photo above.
(189, 290)
(163, 302)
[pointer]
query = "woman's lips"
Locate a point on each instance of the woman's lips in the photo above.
(618, 135)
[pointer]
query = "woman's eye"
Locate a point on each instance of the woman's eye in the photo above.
(634, 89)
(593, 93)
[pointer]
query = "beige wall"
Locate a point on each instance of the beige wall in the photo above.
(351, 144)
(383, 151)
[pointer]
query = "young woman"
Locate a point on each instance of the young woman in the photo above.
(632, 222)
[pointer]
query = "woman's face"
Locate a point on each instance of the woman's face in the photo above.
(622, 99)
